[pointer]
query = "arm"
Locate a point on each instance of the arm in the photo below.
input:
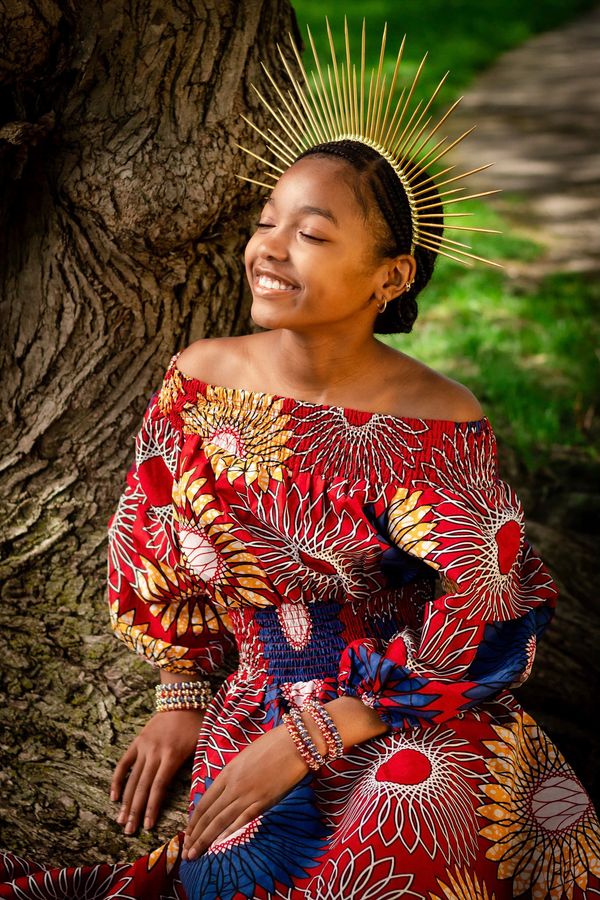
(160, 610)
(152, 759)
(241, 792)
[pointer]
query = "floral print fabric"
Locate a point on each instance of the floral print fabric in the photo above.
(344, 552)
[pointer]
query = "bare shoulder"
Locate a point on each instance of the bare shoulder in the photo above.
(460, 403)
(216, 360)
(432, 395)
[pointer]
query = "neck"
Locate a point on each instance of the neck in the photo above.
(318, 364)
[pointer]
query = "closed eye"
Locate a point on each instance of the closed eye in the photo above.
(303, 234)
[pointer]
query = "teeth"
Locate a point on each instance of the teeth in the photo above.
(272, 284)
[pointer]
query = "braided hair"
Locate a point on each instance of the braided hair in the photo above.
(378, 181)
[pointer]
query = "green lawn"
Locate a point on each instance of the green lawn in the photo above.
(461, 35)
(530, 356)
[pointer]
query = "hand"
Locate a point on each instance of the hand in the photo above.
(240, 792)
(152, 759)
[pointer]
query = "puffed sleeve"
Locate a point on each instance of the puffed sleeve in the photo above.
(158, 607)
(479, 637)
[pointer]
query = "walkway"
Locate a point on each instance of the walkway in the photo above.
(538, 119)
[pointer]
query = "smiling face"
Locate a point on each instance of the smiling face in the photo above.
(313, 259)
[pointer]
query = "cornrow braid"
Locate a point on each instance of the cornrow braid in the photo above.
(379, 182)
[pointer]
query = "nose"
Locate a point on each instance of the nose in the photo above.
(273, 244)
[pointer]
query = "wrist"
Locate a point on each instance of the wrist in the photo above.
(354, 720)
(178, 695)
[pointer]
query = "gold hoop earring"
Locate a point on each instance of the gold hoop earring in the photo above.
(381, 309)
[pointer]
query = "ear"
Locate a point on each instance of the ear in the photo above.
(397, 272)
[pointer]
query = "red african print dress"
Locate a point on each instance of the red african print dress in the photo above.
(343, 552)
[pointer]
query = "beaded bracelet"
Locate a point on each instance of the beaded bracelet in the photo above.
(302, 739)
(327, 727)
(182, 695)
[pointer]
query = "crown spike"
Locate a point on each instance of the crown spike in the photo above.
(308, 116)
(489, 262)
(403, 148)
(447, 149)
(377, 88)
(322, 93)
(379, 106)
(261, 159)
(441, 252)
(411, 91)
(274, 143)
(252, 180)
(294, 124)
(355, 95)
(333, 102)
(440, 184)
(386, 142)
(378, 136)
(363, 42)
(338, 122)
(338, 95)
(315, 106)
(287, 127)
(380, 86)
(471, 228)
(353, 124)
(347, 101)
(417, 151)
(369, 102)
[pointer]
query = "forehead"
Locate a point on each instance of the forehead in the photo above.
(319, 182)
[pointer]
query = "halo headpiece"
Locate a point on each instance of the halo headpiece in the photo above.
(338, 104)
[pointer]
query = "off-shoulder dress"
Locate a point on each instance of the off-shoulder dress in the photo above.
(343, 552)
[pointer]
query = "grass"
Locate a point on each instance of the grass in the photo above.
(461, 35)
(529, 355)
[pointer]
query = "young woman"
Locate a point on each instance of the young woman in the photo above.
(333, 508)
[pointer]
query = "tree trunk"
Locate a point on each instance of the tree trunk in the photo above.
(122, 230)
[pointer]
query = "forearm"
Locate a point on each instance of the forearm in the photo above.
(355, 722)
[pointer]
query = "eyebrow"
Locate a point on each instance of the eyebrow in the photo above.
(313, 210)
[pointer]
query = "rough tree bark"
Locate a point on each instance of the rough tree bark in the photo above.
(122, 229)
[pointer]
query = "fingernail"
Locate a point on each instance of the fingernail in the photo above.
(184, 854)
(129, 828)
(121, 818)
(193, 853)
(113, 796)
(147, 822)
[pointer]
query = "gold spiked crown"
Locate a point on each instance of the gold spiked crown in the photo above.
(339, 106)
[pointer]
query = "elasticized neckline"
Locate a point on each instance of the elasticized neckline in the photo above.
(434, 424)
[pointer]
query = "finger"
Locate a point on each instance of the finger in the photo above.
(201, 839)
(205, 805)
(139, 800)
(158, 791)
(251, 813)
(134, 777)
(226, 805)
(121, 770)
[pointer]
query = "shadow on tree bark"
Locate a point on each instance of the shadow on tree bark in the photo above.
(122, 232)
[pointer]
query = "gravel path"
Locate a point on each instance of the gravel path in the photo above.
(538, 119)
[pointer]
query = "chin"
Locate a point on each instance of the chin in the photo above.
(270, 317)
